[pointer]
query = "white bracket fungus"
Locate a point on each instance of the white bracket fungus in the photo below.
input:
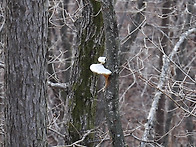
(102, 60)
(100, 69)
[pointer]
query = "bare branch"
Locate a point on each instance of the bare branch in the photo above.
(175, 102)
(149, 126)
(63, 86)
(55, 131)
(76, 144)
(2, 65)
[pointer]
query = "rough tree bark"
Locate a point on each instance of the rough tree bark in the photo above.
(2, 41)
(82, 97)
(111, 92)
(25, 73)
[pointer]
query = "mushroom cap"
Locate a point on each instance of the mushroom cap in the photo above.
(102, 60)
(100, 69)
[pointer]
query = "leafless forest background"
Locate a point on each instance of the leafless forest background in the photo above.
(157, 26)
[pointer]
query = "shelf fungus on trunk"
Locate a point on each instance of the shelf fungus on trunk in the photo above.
(102, 60)
(100, 69)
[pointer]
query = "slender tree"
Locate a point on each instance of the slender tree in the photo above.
(160, 116)
(112, 91)
(25, 73)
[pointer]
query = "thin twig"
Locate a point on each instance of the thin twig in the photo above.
(175, 102)
(77, 142)
(56, 132)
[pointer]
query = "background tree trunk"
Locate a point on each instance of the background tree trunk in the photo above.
(131, 37)
(82, 98)
(25, 73)
(160, 115)
(65, 44)
(149, 126)
(179, 76)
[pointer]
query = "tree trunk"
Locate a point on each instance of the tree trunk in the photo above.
(25, 73)
(65, 44)
(112, 91)
(160, 115)
(179, 77)
(2, 41)
(129, 40)
(82, 98)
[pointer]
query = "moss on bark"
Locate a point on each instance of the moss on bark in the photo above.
(83, 93)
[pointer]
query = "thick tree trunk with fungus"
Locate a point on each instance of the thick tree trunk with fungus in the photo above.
(111, 91)
(83, 92)
(25, 73)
